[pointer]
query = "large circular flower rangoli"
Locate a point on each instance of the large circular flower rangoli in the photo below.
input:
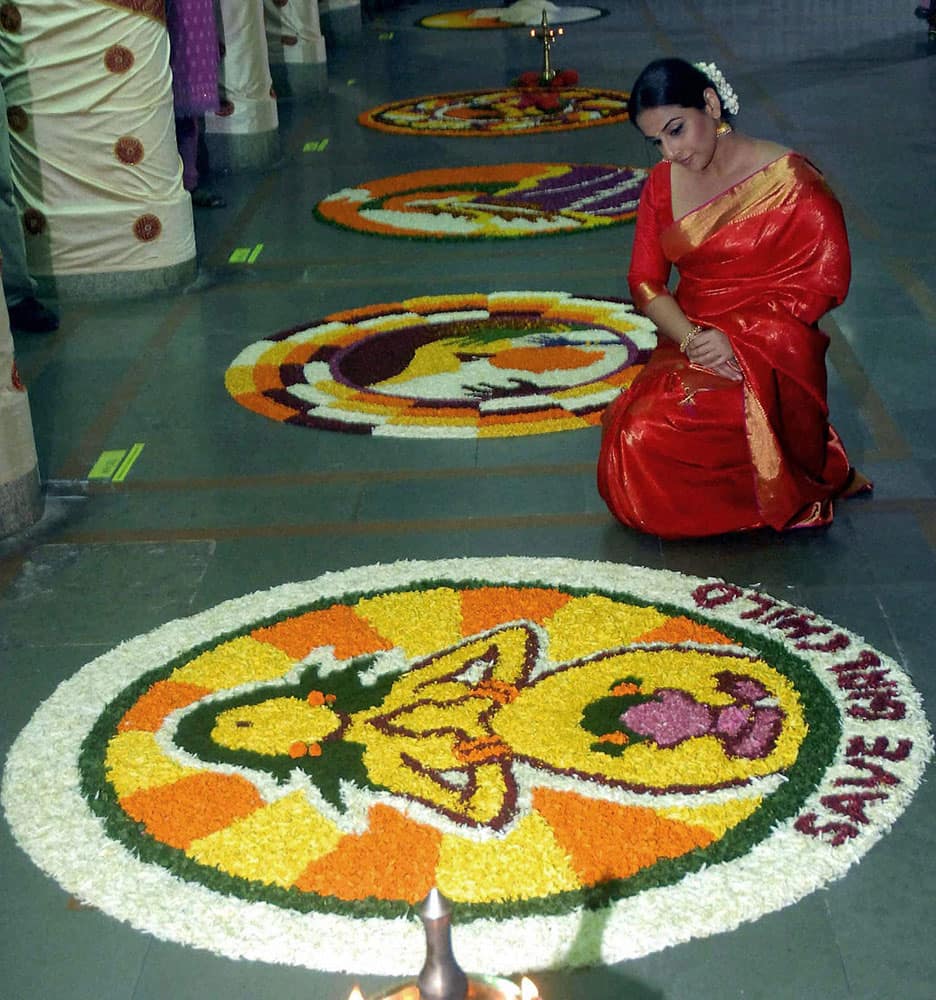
(504, 201)
(475, 365)
(507, 111)
(592, 761)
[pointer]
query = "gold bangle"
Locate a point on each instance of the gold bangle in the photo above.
(687, 340)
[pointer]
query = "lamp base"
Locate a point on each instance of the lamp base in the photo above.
(479, 988)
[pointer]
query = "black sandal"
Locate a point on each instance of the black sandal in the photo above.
(207, 199)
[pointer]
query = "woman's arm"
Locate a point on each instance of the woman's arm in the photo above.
(706, 347)
(648, 276)
(649, 269)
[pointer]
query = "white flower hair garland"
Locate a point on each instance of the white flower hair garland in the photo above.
(726, 94)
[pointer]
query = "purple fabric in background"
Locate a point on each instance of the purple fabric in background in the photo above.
(193, 56)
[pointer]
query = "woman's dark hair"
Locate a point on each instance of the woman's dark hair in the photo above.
(669, 81)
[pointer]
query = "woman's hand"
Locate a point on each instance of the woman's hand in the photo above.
(712, 349)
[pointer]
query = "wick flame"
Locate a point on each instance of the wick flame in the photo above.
(528, 990)
(355, 994)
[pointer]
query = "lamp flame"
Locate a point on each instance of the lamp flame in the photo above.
(356, 994)
(528, 989)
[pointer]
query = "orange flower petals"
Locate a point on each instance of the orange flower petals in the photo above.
(487, 607)
(193, 807)
(483, 749)
(259, 403)
(497, 691)
(266, 377)
(337, 626)
(446, 176)
(606, 841)
(544, 359)
(682, 629)
(372, 863)
(624, 688)
(300, 749)
(618, 738)
(151, 708)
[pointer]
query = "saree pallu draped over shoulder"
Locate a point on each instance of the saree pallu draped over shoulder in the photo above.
(686, 452)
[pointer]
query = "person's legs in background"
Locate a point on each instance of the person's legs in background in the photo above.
(194, 59)
(927, 12)
(187, 135)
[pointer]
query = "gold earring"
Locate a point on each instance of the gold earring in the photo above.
(723, 128)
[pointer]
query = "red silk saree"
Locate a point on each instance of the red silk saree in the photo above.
(687, 453)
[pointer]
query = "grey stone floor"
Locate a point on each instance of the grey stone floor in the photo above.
(221, 502)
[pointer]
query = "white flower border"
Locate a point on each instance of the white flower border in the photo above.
(49, 818)
(617, 318)
(420, 115)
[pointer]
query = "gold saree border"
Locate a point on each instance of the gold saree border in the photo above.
(766, 456)
(764, 190)
(646, 291)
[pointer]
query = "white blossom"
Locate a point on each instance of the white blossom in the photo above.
(726, 93)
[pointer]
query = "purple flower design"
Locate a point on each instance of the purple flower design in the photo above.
(671, 718)
(745, 729)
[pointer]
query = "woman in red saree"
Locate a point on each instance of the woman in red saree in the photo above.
(726, 428)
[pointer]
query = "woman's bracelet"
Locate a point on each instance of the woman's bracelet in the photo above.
(687, 340)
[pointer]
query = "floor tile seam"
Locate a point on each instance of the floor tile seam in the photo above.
(92, 440)
(32, 364)
(372, 280)
(889, 443)
(917, 289)
(926, 519)
(922, 510)
(500, 248)
(896, 639)
(918, 506)
(417, 526)
(834, 928)
(138, 979)
(225, 240)
(337, 478)
(661, 37)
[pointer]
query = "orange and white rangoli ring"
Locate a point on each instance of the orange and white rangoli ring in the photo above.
(507, 111)
(476, 365)
(518, 731)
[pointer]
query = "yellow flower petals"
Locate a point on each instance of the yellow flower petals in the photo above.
(135, 761)
(419, 622)
(272, 845)
(271, 726)
(591, 624)
(239, 661)
(526, 863)
(718, 819)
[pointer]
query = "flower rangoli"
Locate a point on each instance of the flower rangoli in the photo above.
(498, 365)
(539, 739)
